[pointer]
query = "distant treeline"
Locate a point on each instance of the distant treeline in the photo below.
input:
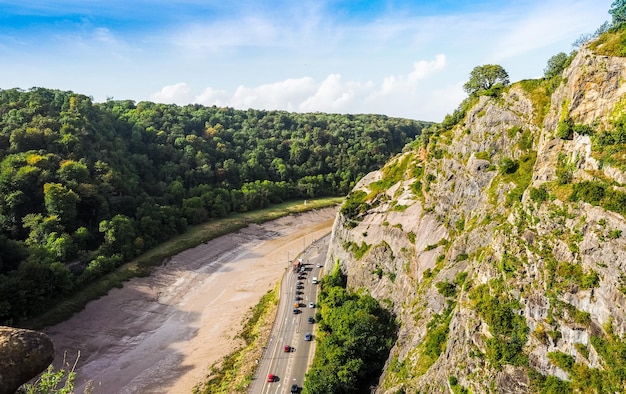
(85, 186)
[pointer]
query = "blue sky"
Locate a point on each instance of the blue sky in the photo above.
(399, 58)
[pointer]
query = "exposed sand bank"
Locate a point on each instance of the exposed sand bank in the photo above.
(160, 333)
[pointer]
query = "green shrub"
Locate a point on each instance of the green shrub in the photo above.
(354, 337)
(615, 234)
(564, 170)
(565, 130)
(589, 191)
(446, 288)
(539, 194)
(583, 129)
(507, 165)
(354, 207)
(525, 141)
(484, 155)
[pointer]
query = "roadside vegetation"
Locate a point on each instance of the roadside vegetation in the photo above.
(354, 338)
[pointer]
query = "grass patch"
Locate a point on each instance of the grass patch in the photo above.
(539, 92)
(610, 43)
(392, 174)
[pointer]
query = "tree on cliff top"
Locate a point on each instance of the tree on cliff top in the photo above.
(618, 12)
(485, 77)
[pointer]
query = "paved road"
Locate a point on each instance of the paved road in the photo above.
(290, 329)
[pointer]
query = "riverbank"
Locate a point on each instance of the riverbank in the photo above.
(159, 334)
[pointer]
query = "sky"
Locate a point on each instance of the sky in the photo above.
(399, 58)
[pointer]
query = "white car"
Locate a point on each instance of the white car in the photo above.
(311, 305)
(314, 280)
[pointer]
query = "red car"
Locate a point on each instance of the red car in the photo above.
(271, 377)
(287, 349)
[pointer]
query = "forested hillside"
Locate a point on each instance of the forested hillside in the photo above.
(86, 186)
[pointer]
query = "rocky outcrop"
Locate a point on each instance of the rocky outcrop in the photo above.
(498, 289)
(23, 355)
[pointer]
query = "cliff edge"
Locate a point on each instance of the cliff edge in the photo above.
(500, 243)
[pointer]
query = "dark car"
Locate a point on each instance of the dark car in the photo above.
(311, 319)
(295, 388)
(296, 311)
(308, 336)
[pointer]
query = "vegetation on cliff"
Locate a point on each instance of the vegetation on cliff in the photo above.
(505, 264)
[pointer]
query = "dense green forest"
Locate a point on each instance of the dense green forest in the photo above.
(85, 186)
(354, 338)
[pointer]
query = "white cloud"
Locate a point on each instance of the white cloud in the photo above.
(408, 84)
(212, 96)
(177, 93)
(394, 95)
(335, 95)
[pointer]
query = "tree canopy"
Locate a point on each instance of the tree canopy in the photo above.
(485, 77)
(556, 65)
(354, 338)
(618, 12)
(85, 186)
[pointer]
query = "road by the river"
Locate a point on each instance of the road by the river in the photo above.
(291, 328)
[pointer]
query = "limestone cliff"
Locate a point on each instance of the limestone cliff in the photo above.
(500, 243)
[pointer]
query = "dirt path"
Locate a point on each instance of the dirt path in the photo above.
(159, 334)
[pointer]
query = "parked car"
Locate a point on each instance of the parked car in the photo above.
(311, 319)
(295, 388)
(308, 336)
(314, 280)
(271, 378)
(311, 305)
(296, 311)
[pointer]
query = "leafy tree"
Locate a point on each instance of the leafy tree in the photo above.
(556, 65)
(618, 12)
(484, 78)
(354, 338)
(119, 235)
(61, 202)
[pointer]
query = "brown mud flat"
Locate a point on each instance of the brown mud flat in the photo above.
(160, 333)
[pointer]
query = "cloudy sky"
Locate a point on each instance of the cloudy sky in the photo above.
(406, 58)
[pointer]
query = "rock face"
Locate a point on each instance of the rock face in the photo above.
(23, 355)
(501, 279)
